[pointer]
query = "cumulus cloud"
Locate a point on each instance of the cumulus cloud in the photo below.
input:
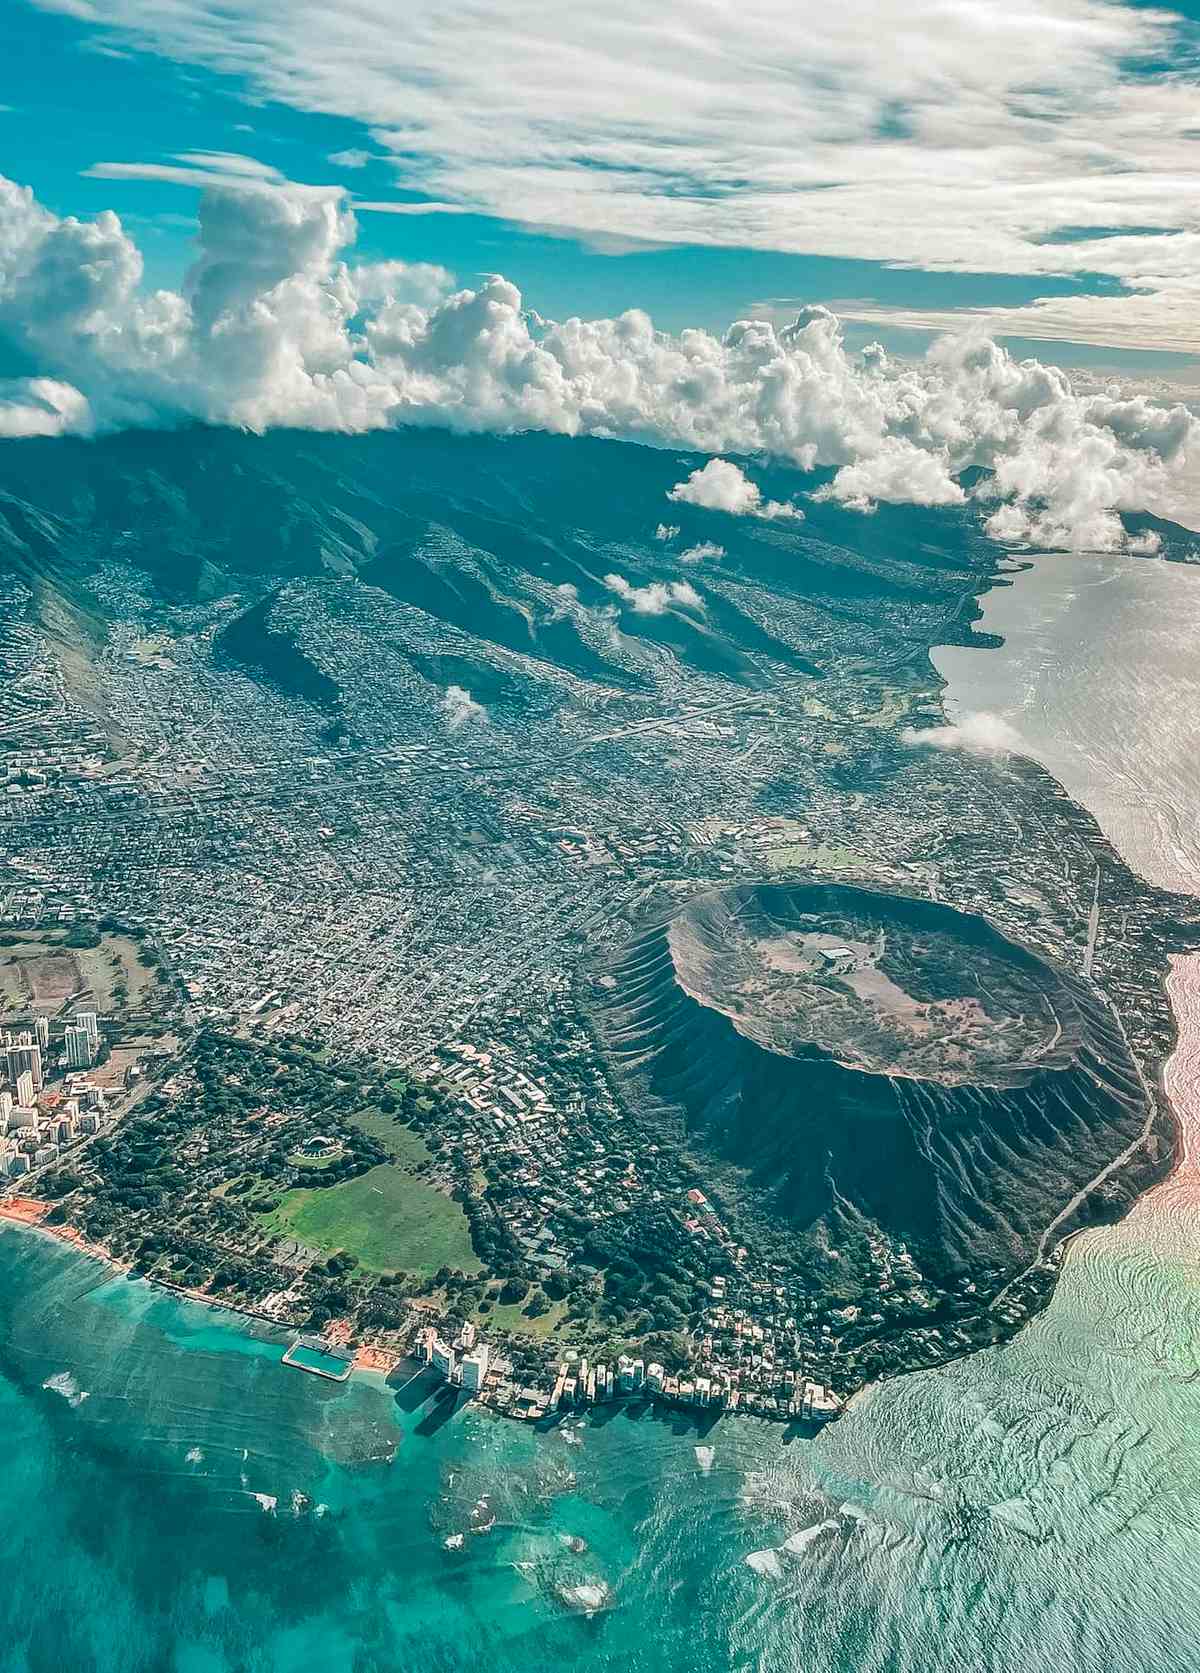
(701, 550)
(979, 733)
(666, 531)
(273, 326)
(459, 707)
(380, 284)
(656, 597)
(720, 485)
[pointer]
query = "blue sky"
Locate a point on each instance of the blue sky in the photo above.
(82, 93)
(687, 225)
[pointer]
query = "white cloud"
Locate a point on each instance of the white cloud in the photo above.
(701, 550)
(82, 9)
(656, 597)
(194, 168)
(459, 707)
(894, 472)
(1140, 317)
(234, 163)
(274, 327)
(380, 284)
(960, 135)
(979, 734)
(353, 157)
(41, 407)
(720, 485)
(426, 206)
(666, 531)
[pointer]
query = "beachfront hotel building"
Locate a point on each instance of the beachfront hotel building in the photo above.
(475, 1369)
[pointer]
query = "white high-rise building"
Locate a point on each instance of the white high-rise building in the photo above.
(475, 1369)
(61, 1128)
(42, 1032)
(26, 1090)
(443, 1360)
(6, 1109)
(87, 1019)
(80, 1052)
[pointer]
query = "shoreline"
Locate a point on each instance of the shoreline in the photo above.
(1134, 777)
(1177, 1088)
(29, 1214)
(372, 1358)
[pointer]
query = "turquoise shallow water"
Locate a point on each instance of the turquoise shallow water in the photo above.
(178, 1499)
(207, 1507)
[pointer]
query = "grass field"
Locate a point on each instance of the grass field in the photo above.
(387, 1219)
(402, 1144)
(512, 1317)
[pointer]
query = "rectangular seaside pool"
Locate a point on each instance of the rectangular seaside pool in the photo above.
(322, 1364)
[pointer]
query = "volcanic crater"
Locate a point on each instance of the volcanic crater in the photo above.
(870, 1073)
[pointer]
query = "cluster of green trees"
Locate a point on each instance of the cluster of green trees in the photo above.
(490, 1236)
(182, 1183)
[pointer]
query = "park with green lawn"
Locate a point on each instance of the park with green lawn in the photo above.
(387, 1218)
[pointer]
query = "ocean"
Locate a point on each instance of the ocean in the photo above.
(179, 1500)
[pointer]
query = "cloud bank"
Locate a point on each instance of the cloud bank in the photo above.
(276, 325)
(1046, 138)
